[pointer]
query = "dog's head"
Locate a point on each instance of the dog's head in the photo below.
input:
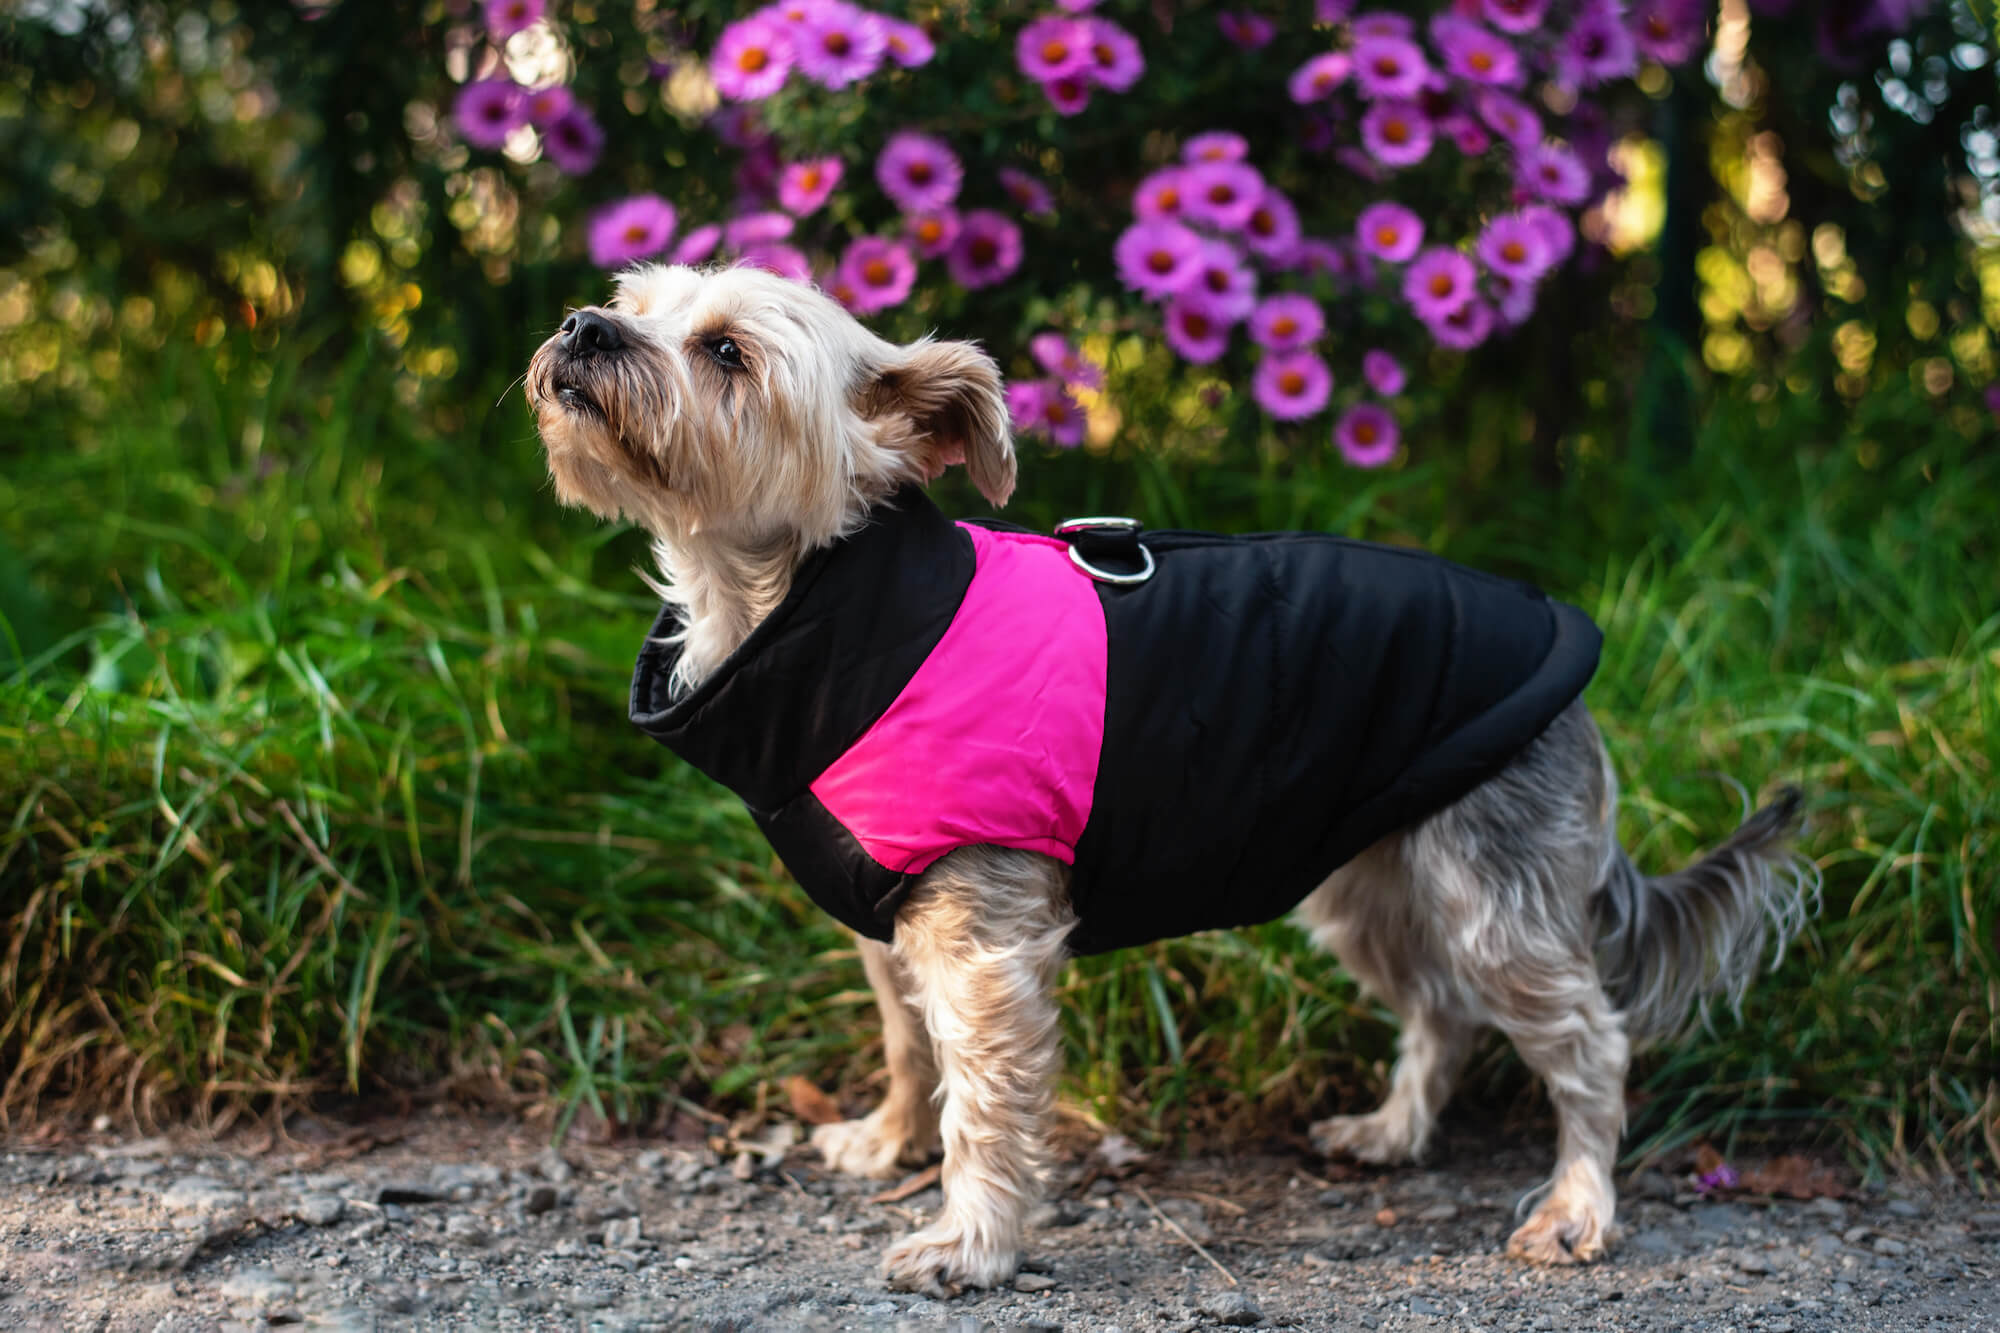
(736, 403)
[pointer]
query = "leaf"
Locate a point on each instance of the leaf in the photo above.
(916, 1184)
(809, 1103)
(1794, 1177)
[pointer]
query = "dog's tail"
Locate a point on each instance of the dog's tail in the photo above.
(1669, 946)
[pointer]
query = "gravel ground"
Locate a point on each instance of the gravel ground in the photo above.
(457, 1222)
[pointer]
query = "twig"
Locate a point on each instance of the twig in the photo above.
(1181, 1231)
(916, 1184)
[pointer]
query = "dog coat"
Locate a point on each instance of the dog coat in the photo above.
(1202, 748)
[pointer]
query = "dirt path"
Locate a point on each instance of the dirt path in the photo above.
(460, 1223)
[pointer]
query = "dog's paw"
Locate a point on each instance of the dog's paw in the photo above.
(1365, 1138)
(1559, 1235)
(876, 1147)
(943, 1259)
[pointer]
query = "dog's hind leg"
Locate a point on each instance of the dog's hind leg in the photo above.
(981, 939)
(902, 1131)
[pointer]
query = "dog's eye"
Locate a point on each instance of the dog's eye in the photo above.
(726, 353)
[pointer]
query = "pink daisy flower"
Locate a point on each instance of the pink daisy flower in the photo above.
(1464, 328)
(1319, 258)
(630, 229)
(1515, 16)
(1029, 195)
(781, 259)
(1382, 23)
(1161, 195)
(574, 141)
(1223, 194)
(1222, 285)
(918, 172)
(1273, 229)
(1291, 385)
(906, 43)
(1440, 283)
(1383, 372)
(1319, 77)
(1558, 232)
(1250, 31)
(1468, 134)
(1367, 435)
(544, 106)
(1669, 31)
(1551, 171)
(880, 272)
(1516, 303)
(1061, 416)
(1596, 50)
(1389, 67)
(1474, 54)
(1389, 231)
(757, 229)
(1510, 118)
(1052, 47)
(1024, 403)
(1397, 134)
(697, 245)
(988, 250)
(838, 44)
(1215, 146)
(1194, 335)
(1158, 259)
(1069, 94)
(1513, 246)
(1287, 321)
(504, 18)
(933, 232)
(752, 60)
(1115, 59)
(1054, 354)
(804, 186)
(1331, 11)
(487, 111)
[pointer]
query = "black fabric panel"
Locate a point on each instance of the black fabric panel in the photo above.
(827, 861)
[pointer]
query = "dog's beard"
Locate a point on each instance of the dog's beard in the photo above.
(597, 415)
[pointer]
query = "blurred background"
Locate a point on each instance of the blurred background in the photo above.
(315, 779)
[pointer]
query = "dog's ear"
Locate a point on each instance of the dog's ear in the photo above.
(949, 395)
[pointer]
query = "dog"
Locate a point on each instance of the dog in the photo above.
(774, 448)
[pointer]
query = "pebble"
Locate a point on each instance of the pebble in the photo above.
(554, 1167)
(1230, 1307)
(1749, 1261)
(1907, 1208)
(1032, 1283)
(621, 1233)
(255, 1286)
(1422, 1305)
(1438, 1212)
(1890, 1247)
(319, 1210)
(465, 1229)
(406, 1191)
(200, 1194)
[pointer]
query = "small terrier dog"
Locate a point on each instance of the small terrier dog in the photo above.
(773, 448)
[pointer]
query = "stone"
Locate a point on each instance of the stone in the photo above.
(200, 1194)
(554, 1167)
(407, 1191)
(621, 1233)
(465, 1229)
(1423, 1305)
(540, 1199)
(1032, 1283)
(255, 1286)
(1890, 1247)
(1439, 1212)
(1749, 1261)
(1907, 1208)
(319, 1210)
(1234, 1308)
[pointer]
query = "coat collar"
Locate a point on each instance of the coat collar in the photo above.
(860, 618)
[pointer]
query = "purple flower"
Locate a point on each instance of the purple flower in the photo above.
(1060, 416)
(631, 229)
(839, 44)
(1551, 171)
(1383, 372)
(1223, 194)
(1513, 246)
(1158, 259)
(1287, 321)
(1389, 67)
(1052, 47)
(1318, 77)
(752, 60)
(1273, 229)
(1558, 232)
(880, 272)
(1194, 335)
(1516, 16)
(545, 106)
(918, 172)
(1367, 435)
(1054, 354)
(1669, 31)
(1596, 50)
(1381, 23)
(738, 127)
(753, 229)
(487, 111)
(1024, 403)
(1397, 134)
(988, 249)
(1331, 11)
(1464, 328)
(1723, 1177)
(1215, 146)
(1076, 6)
(906, 43)
(504, 18)
(1249, 31)
(804, 186)
(1474, 54)
(1291, 385)
(1115, 59)
(1993, 398)
(932, 232)
(1328, 259)
(1510, 118)
(697, 245)
(1440, 283)
(1516, 300)
(573, 141)
(1468, 134)
(1029, 195)
(1069, 94)
(1222, 286)
(781, 259)
(1161, 195)
(1389, 231)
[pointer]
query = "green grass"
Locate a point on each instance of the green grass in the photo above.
(315, 779)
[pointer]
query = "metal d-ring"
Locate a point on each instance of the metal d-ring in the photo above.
(1071, 528)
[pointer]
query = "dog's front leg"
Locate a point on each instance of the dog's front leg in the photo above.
(903, 1129)
(980, 940)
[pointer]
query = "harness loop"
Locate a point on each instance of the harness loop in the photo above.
(1099, 537)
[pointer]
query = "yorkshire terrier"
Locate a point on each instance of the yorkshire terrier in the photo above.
(986, 750)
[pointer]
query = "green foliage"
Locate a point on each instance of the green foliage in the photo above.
(315, 776)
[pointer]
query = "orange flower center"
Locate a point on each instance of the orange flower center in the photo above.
(1291, 382)
(1221, 193)
(1104, 55)
(876, 271)
(1388, 66)
(984, 251)
(753, 59)
(1396, 131)
(1055, 52)
(1386, 236)
(1262, 222)
(809, 179)
(1481, 61)
(1284, 326)
(930, 231)
(919, 173)
(1195, 324)
(1168, 199)
(836, 43)
(635, 232)
(1514, 252)
(1160, 261)
(1441, 284)
(1364, 432)
(1217, 280)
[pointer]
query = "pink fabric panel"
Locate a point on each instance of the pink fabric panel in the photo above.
(996, 737)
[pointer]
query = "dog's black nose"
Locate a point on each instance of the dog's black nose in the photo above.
(588, 331)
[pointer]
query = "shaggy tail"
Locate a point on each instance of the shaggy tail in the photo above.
(1670, 945)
